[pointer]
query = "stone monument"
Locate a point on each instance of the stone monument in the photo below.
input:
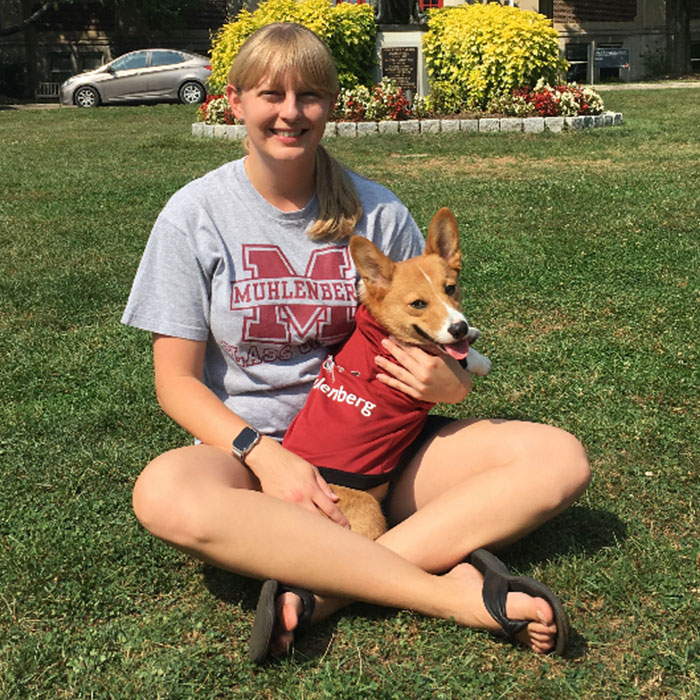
(399, 45)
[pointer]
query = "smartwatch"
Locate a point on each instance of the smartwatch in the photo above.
(244, 442)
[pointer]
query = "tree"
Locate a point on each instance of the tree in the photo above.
(158, 13)
(678, 36)
(31, 13)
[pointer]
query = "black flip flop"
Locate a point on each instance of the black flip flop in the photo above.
(498, 583)
(265, 613)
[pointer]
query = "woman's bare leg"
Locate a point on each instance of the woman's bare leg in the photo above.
(202, 501)
(476, 484)
(483, 483)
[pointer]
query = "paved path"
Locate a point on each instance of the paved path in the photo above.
(31, 105)
(603, 87)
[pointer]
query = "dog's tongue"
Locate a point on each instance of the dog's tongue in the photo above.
(458, 350)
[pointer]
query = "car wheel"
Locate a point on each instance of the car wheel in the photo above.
(192, 93)
(86, 97)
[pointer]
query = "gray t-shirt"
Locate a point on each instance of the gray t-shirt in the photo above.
(225, 266)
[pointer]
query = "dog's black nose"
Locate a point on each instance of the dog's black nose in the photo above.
(458, 330)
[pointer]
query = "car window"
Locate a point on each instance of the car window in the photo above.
(130, 61)
(165, 58)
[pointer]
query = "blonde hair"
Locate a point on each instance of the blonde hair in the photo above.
(283, 48)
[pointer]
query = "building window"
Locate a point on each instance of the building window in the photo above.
(578, 56)
(695, 56)
(90, 61)
(60, 67)
(595, 62)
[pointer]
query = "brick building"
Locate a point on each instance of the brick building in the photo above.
(598, 37)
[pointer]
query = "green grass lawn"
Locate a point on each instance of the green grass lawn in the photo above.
(582, 262)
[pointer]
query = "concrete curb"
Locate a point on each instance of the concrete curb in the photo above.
(486, 125)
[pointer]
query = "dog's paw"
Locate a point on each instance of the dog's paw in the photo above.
(477, 363)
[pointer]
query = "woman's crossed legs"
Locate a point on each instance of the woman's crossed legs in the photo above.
(475, 484)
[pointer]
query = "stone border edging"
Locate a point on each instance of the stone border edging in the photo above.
(488, 125)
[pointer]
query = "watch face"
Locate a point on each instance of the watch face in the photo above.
(245, 440)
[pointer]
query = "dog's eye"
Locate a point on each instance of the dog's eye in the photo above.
(450, 289)
(418, 304)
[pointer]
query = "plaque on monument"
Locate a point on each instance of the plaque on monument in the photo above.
(400, 63)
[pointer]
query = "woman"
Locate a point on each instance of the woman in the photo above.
(245, 282)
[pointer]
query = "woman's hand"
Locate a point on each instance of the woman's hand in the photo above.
(433, 378)
(179, 370)
(290, 478)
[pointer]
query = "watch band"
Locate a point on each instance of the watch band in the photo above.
(244, 442)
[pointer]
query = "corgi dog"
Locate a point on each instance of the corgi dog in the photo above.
(353, 427)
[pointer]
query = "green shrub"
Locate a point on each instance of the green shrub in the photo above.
(480, 52)
(348, 30)
(447, 97)
(656, 63)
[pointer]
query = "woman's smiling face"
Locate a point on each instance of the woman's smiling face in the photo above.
(285, 120)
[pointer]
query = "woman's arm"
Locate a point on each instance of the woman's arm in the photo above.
(433, 378)
(182, 394)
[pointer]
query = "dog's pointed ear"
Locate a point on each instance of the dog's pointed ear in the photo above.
(375, 268)
(443, 238)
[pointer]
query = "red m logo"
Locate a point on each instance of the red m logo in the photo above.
(283, 306)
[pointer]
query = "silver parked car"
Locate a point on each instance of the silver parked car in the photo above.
(158, 75)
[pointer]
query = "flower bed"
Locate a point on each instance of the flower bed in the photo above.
(385, 109)
(215, 110)
(566, 100)
(387, 102)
